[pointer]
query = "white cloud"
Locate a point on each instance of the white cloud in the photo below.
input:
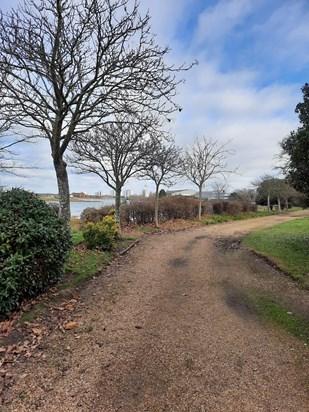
(166, 16)
(284, 35)
(218, 101)
(216, 22)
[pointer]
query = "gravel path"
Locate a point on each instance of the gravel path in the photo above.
(167, 329)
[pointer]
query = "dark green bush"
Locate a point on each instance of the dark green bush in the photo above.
(101, 235)
(33, 247)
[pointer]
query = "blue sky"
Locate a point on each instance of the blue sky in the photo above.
(253, 59)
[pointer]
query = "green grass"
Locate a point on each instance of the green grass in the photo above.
(146, 229)
(213, 219)
(287, 245)
(33, 313)
(83, 264)
(274, 312)
(77, 238)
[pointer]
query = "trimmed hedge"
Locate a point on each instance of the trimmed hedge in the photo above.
(233, 207)
(141, 211)
(170, 208)
(34, 243)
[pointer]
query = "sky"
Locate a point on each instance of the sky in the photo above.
(253, 60)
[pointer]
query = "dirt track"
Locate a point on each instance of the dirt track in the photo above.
(172, 332)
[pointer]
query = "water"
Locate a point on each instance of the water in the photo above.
(78, 207)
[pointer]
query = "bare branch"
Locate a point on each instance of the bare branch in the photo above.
(162, 166)
(72, 66)
(205, 159)
(115, 152)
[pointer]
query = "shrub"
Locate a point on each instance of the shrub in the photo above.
(33, 247)
(170, 208)
(101, 235)
(207, 208)
(217, 208)
(138, 212)
(249, 207)
(232, 208)
(94, 215)
(178, 207)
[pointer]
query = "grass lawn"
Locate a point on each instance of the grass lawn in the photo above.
(214, 219)
(287, 245)
(77, 238)
(83, 264)
(274, 312)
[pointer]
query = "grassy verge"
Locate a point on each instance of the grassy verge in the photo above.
(213, 219)
(287, 245)
(83, 264)
(77, 238)
(32, 314)
(274, 312)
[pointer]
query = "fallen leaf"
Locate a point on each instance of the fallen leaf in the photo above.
(2, 349)
(37, 331)
(70, 325)
(6, 326)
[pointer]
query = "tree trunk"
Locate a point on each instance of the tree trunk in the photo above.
(117, 206)
(279, 204)
(268, 203)
(286, 204)
(63, 190)
(200, 203)
(156, 216)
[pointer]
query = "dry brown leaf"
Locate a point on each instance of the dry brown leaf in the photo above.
(76, 295)
(37, 331)
(6, 326)
(2, 349)
(70, 325)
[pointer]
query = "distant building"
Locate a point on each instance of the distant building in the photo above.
(184, 192)
(207, 195)
(145, 191)
(112, 193)
(211, 195)
(127, 193)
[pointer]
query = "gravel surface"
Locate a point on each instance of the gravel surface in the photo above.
(166, 328)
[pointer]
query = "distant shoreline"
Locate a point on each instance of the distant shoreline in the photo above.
(76, 199)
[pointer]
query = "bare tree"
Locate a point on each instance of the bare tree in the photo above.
(204, 159)
(71, 65)
(219, 188)
(162, 167)
(115, 153)
(8, 139)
